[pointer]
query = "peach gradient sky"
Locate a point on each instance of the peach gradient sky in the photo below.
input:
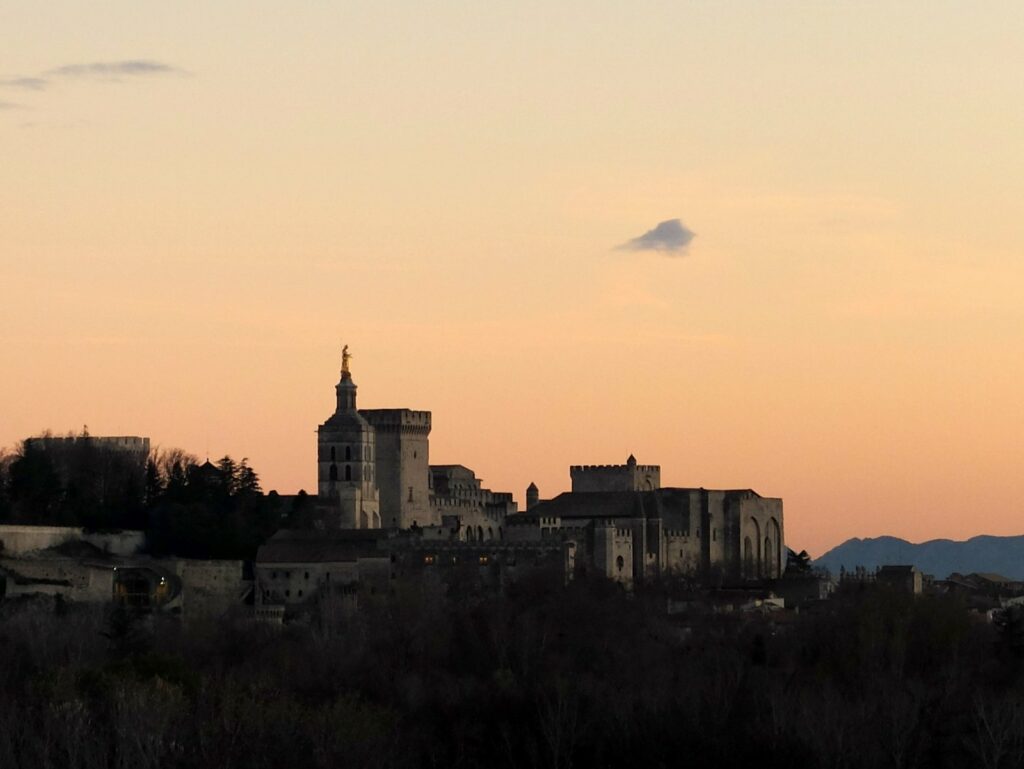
(184, 243)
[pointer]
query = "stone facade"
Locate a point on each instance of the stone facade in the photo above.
(19, 540)
(459, 496)
(346, 464)
(296, 571)
(374, 471)
(624, 524)
(132, 445)
(627, 477)
(613, 551)
(69, 563)
(532, 496)
(631, 536)
(403, 466)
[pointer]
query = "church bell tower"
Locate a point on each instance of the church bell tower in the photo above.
(346, 486)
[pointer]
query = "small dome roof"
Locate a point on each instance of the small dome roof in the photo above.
(346, 421)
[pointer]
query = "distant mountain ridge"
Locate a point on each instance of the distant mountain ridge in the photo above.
(939, 557)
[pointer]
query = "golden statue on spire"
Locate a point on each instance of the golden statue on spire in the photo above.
(346, 356)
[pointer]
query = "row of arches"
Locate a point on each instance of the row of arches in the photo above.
(762, 550)
(333, 473)
(367, 453)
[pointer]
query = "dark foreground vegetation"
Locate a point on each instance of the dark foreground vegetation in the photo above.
(187, 508)
(585, 677)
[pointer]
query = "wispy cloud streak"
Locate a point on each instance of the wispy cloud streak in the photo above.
(26, 83)
(114, 70)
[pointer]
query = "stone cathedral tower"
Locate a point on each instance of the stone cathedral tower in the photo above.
(346, 482)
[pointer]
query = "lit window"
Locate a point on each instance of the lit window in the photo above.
(483, 560)
(428, 560)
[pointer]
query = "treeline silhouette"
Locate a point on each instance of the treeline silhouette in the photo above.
(585, 676)
(186, 508)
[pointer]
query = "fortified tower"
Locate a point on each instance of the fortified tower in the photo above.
(346, 482)
(627, 477)
(532, 496)
(403, 466)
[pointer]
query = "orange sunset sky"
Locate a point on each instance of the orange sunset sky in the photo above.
(199, 202)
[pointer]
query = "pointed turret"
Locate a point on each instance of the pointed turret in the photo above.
(532, 496)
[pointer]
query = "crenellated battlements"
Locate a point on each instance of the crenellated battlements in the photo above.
(604, 478)
(573, 469)
(406, 420)
(453, 502)
(619, 531)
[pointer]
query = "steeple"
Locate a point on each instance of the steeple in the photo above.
(346, 449)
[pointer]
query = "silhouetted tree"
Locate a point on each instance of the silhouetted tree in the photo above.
(155, 483)
(445, 675)
(247, 482)
(5, 480)
(35, 488)
(798, 563)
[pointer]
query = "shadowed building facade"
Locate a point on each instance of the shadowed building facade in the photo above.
(402, 439)
(630, 529)
(374, 471)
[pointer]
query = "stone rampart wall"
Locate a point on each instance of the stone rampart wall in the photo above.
(18, 540)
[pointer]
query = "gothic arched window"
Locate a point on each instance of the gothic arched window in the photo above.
(348, 453)
(332, 454)
(348, 472)
(333, 475)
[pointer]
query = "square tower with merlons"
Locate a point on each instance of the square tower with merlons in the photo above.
(628, 477)
(403, 466)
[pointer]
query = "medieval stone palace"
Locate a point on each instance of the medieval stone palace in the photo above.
(387, 512)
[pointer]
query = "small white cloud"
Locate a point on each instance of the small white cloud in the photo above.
(670, 237)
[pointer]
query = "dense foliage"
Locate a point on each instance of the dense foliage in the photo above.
(186, 508)
(586, 677)
(77, 483)
(207, 511)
